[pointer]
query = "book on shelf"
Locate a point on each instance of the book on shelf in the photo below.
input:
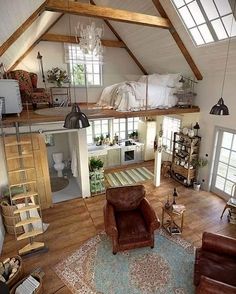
(178, 208)
(173, 230)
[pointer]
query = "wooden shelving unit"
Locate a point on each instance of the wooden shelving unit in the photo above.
(185, 150)
(23, 177)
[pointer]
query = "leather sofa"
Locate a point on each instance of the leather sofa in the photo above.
(216, 260)
(129, 219)
(209, 286)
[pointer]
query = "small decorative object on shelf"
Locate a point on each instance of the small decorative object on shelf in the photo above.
(185, 151)
(197, 128)
(175, 194)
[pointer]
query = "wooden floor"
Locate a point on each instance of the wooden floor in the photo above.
(73, 222)
(92, 112)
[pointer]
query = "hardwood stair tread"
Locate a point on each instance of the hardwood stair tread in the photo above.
(30, 247)
(30, 220)
(24, 195)
(29, 234)
(23, 183)
(20, 156)
(21, 170)
(18, 143)
(26, 208)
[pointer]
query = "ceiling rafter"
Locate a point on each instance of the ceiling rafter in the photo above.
(107, 13)
(33, 45)
(73, 39)
(21, 29)
(121, 40)
(179, 41)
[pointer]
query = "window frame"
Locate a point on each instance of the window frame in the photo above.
(85, 61)
(165, 138)
(207, 21)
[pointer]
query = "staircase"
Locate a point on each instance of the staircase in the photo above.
(22, 179)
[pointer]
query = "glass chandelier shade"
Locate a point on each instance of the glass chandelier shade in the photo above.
(89, 37)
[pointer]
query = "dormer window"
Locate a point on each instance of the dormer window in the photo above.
(207, 21)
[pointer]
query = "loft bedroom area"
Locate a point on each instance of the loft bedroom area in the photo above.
(118, 146)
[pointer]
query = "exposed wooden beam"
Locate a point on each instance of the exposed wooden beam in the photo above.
(107, 13)
(179, 41)
(121, 40)
(72, 39)
(22, 28)
(33, 45)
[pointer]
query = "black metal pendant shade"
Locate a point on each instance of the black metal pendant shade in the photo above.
(220, 108)
(76, 119)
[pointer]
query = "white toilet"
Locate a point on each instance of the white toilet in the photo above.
(59, 165)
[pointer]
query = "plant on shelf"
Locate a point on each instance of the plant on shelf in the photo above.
(95, 164)
(57, 76)
(133, 135)
(198, 163)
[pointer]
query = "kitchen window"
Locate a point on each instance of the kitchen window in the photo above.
(170, 125)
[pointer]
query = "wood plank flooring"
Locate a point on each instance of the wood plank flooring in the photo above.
(72, 222)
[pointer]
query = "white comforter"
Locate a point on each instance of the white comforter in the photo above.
(132, 96)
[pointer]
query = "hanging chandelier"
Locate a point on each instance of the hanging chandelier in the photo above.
(89, 38)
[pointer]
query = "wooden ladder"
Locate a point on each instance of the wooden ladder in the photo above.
(22, 174)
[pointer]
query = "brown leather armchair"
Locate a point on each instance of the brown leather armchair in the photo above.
(216, 259)
(209, 286)
(129, 219)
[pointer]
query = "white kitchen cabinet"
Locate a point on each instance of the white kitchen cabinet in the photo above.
(140, 152)
(113, 157)
(147, 133)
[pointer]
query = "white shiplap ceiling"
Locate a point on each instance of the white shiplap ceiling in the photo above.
(154, 48)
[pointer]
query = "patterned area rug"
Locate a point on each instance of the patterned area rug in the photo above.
(58, 184)
(129, 176)
(166, 269)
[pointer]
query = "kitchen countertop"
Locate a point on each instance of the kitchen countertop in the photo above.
(102, 149)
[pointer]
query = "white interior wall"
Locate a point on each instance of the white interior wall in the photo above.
(61, 145)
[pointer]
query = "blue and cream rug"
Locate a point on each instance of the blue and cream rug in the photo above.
(129, 176)
(166, 269)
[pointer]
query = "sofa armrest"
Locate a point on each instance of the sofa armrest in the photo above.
(110, 221)
(149, 215)
(210, 286)
(219, 244)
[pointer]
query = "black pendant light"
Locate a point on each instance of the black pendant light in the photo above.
(76, 119)
(220, 108)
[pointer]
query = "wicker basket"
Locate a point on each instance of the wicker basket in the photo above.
(39, 290)
(18, 275)
(9, 219)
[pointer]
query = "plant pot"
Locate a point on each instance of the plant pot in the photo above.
(196, 186)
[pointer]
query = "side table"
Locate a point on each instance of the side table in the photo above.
(170, 225)
(60, 96)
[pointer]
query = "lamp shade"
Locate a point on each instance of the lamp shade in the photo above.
(220, 108)
(76, 119)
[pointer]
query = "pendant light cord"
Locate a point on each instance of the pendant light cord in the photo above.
(227, 56)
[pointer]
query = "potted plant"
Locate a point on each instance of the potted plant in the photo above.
(95, 164)
(58, 76)
(198, 163)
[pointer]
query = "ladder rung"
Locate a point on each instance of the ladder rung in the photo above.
(22, 184)
(18, 143)
(29, 234)
(20, 156)
(26, 208)
(30, 247)
(24, 195)
(20, 170)
(27, 221)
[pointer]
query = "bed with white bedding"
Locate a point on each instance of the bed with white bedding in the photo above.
(149, 92)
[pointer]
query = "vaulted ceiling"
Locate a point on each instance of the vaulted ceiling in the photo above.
(153, 47)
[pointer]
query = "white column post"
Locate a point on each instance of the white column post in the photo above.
(83, 163)
(158, 154)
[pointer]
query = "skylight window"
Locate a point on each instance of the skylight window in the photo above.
(207, 21)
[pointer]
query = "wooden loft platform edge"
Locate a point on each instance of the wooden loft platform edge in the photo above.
(92, 113)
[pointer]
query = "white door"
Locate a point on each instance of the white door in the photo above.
(224, 171)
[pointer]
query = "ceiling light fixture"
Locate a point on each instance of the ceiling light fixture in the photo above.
(76, 119)
(220, 108)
